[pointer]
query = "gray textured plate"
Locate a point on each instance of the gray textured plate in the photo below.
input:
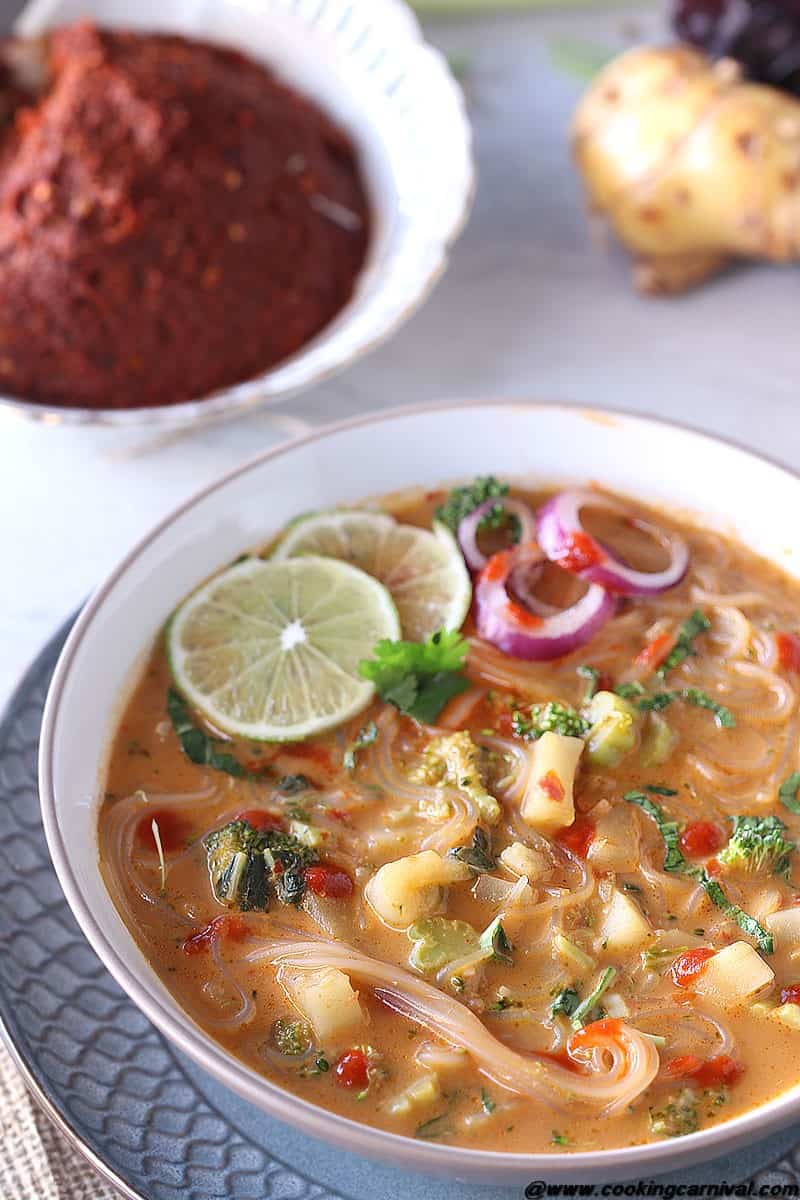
(156, 1125)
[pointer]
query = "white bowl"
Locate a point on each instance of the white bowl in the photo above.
(365, 63)
(662, 463)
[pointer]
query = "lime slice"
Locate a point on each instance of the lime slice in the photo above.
(269, 651)
(424, 571)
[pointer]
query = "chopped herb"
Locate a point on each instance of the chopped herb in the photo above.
(502, 1003)
(565, 1002)
(757, 844)
(366, 736)
(658, 789)
(745, 922)
(691, 628)
(319, 1067)
(494, 937)
(722, 715)
(592, 675)
(549, 718)
(677, 1117)
(487, 1103)
(629, 691)
(787, 792)
(435, 1127)
(657, 956)
(478, 856)
(669, 830)
(559, 1139)
(461, 501)
(200, 747)
(657, 702)
(292, 785)
(582, 1015)
(419, 678)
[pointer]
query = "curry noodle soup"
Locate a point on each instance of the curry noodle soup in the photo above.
(474, 818)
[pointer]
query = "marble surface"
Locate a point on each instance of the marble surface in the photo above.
(529, 308)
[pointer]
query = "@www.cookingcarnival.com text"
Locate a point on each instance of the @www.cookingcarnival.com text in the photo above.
(539, 1189)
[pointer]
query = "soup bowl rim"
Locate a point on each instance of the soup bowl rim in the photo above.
(315, 1120)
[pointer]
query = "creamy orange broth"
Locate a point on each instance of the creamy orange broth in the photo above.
(716, 773)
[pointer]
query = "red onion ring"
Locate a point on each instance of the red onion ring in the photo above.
(564, 540)
(474, 557)
(524, 634)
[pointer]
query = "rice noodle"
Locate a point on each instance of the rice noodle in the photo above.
(619, 1068)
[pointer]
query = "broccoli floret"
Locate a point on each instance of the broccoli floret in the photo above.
(549, 718)
(677, 1117)
(292, 1037)
(463, 500)
(757, 845)
(438, 941)
(240, 873)
(455, 760)
(241, 863)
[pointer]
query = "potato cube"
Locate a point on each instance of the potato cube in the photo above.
(735, 975)
(548, 802)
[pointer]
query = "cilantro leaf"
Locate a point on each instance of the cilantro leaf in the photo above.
(694, 625)
(787, 792)
(669, 830)
(418, 678)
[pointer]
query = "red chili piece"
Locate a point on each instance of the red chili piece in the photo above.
(701, 838)
(580, 551)
(655, 651)
(708, 1072)
(577, 837)
(788, 645)
(689, 965)
(329, 881)
(230, 926)
(352, 1069)
(791, 994)
(259, 818)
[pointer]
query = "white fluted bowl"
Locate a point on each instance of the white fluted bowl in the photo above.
(364, 62)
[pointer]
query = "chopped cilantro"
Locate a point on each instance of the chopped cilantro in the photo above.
(691, 628)
(592, 675)
(787, 792)
(478, 855)
(669, 830)
(566, 1001)
(418, 678)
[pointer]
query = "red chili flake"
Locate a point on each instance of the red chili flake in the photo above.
(497, 567)
(504, 723)
(521, 615)
(689, 965)
(339, 814)
(352, 1069)
(791, 994)
(173, 829)
(655, 651)
(329, 881)
(708, 1072)
(259, 818)
(578, 837)
(701, 838)
(587, 1038)
(552, 787)
(231, 926)
(788, 646)
(579, 552)
(713, 867)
